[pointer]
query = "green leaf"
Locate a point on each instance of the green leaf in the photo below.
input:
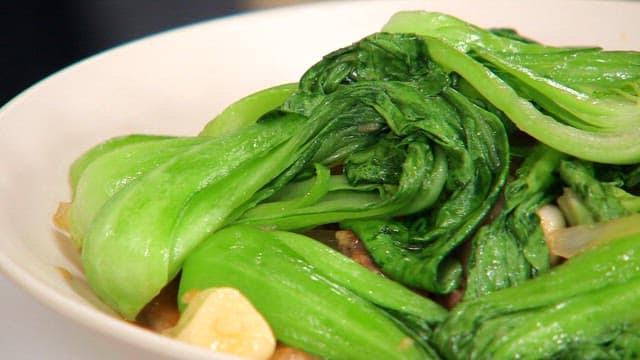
(512, 249)
(140, 236)
(582, 298)
(314, 298)
(248, 110)
(592, 116)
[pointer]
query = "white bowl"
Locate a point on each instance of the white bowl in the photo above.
(173, 83)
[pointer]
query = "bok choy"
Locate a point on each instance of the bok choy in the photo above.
(579, 307)
(435, 142)
(294, 280)
(581, 101)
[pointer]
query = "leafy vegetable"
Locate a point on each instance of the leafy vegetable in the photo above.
(106, 169)
(597, 199)
(590, 112)
(423, 138)
(472, 139)
(512, 249)
(248, 110)
(140, 235)
(387, 96)
(580, 301)
(294, 280)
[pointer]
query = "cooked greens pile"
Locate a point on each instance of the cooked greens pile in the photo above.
(586, 308)
(436, 142)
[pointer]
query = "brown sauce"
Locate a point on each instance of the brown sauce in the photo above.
(162, 312)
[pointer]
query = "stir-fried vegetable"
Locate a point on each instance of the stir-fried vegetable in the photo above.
(581, 101)
(436, 142)
(512, 249)
(588, 300)
(315, 298)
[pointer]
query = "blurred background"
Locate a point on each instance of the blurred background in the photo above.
(39, 37)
